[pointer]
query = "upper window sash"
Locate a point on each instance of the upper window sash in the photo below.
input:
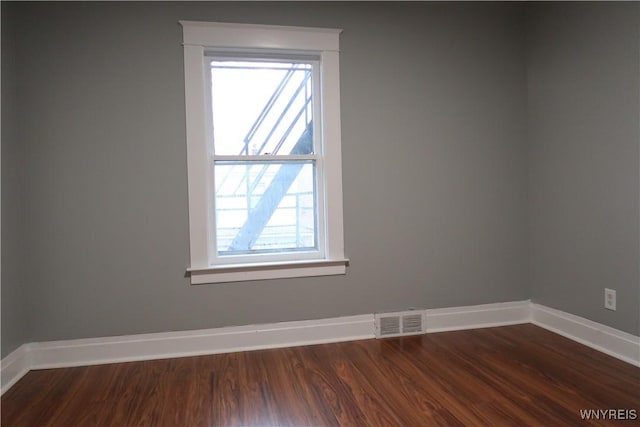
(300, 92)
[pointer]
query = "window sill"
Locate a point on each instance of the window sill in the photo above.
(265, 271)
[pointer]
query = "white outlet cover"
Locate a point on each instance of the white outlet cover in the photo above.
(610, 299)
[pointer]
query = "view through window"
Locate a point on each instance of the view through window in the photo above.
(264, 155)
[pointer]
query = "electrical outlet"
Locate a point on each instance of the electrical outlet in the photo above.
(610, 299)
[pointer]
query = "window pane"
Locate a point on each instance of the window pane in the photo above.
(262, 107)
(265, 207)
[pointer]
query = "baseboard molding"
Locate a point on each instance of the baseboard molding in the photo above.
(613, 342)
(15, 366)
(477, 316)
(95, 351)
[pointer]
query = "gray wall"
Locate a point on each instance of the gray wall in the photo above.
(434, 159)
(583, 71)
(437, 202)
(15, 322)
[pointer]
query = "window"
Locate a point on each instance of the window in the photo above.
(264, 158)
(263, 151)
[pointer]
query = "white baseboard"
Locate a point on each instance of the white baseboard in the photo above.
(613, 342)
(14, 366)
(94, 351)
(477, 316)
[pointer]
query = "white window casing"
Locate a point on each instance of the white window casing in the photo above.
(198, 39)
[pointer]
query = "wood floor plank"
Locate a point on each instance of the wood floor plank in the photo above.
(52, 394)
(374, 406)
(183, 395)
(292, 393)
(328, 385)
(442, 381)
(226, 390)
(508, 376)
(322, 408)
(400, 391)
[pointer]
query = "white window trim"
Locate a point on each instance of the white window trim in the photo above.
(197, 38)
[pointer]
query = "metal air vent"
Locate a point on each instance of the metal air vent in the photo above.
(400, 323)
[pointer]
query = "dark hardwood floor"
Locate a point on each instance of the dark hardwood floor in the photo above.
(509, 376)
